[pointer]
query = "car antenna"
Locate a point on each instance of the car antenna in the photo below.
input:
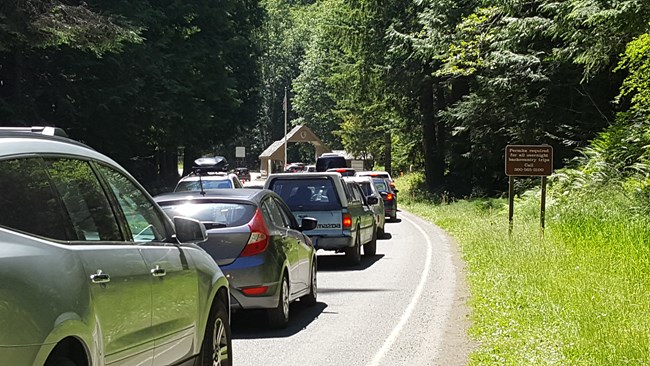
(198, 172)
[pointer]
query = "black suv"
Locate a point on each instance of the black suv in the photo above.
(330, 161)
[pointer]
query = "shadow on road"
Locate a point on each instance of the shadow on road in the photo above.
(254, 325)
(337, 262)
(386, 236)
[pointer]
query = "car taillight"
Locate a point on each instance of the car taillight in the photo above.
(259, 238)
(347, 221)
(389, 197)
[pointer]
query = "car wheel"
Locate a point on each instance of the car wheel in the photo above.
(370, 248)
(393, 218)
(279, 316)
(59, 361)
(217, 342)
(310, 298)
(353, 254)
(380, 232)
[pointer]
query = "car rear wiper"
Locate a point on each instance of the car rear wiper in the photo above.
(213, 225)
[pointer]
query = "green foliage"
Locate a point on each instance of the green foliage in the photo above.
(574, 297)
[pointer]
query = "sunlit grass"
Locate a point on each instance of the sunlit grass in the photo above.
(579, 296)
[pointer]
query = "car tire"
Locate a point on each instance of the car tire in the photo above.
(311, 298)
(380, 232)
(353, 254)
(370, 249)
(60, 361)
(279, 316)
(217, 342)
(393, 218)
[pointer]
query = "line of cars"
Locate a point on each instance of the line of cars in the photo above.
(94, 270)
(265, 240)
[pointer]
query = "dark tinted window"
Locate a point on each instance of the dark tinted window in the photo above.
(328, 162)
(28, 203)
(212, 214)
(143, 218)
(314, 194)
(207, 184)
(84, 199)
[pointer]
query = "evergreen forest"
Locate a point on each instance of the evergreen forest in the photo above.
(433, 86)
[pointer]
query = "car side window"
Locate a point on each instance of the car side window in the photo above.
(84, 200)
(237, 183)
(28, 201)
(273, 213)
(359, 194)
(144, 220)
(287, 217)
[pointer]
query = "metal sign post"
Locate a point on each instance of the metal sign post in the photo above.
(525, 161)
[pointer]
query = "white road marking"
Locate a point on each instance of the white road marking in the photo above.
(388, 343)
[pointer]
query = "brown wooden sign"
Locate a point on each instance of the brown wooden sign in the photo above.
(529, 160)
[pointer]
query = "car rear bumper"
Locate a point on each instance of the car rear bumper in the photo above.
(255, 271)
(332, 242)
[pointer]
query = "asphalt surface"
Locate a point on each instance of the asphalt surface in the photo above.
(404, 306)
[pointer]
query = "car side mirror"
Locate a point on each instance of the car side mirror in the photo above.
(189, 230)
(308, 223)
(395, 190)
(372, 200)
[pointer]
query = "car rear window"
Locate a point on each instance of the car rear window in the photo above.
(381, 185)
(314, 194)
(194, 185)
(212, 214)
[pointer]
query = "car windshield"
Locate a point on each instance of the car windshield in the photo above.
(211, 214)
(317, 194)
(207, 184)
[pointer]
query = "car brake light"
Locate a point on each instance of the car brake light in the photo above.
(389, 197)
(374, 175)
(347, 221)
(259, 290)
(341, 170)
(259, 238)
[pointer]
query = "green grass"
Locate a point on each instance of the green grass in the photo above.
(579, 296)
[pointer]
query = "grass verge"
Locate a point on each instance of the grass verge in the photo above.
(579, 296)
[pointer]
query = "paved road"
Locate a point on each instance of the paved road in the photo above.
(404, 306)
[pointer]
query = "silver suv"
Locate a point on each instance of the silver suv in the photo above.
(92, 272)
(345, 220)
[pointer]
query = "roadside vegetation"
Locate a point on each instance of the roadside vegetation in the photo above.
(579, 295)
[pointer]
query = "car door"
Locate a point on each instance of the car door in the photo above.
(303, 248)
(366, 216)
(174, 289)
(119, 280)
(281, 236)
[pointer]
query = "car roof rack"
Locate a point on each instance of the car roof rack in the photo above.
(207, 165)
(43, 130)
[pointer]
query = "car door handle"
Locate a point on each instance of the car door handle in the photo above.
(158, 272)
(100, 277)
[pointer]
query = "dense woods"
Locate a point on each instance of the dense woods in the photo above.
(439, 86)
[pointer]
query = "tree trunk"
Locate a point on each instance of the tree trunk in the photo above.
(189, 155)
(432, 135)
(168, 166)
(388, 152)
